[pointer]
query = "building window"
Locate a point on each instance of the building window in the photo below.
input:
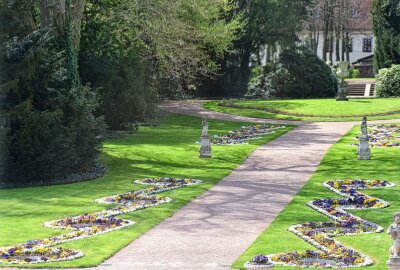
(350, 45)
(367, 44)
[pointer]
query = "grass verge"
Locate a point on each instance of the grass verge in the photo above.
(339, 163)
(313, 109)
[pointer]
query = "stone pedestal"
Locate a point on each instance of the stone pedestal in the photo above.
(364, 153)
(205, 147)
(342, 73)
(342, 91)
(394, 263)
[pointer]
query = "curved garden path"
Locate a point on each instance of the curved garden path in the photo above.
(213, 230)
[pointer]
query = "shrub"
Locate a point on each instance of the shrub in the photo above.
(354, 73)
(297, 74)
(255, 85)
(388, 82)
(52, 129)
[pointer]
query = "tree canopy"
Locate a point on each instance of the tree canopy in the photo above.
(386, 21)
(74, 68)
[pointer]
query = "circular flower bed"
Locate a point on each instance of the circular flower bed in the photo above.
(92, 224)
(332, 253)
(383, 136)
(244, 134)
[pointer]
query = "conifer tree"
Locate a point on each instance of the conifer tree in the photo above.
(386, 22)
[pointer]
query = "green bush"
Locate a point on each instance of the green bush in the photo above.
(388, 82)
(297, 74)
(52, 129)
(354, 73)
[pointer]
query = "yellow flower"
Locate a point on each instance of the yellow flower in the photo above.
(359, 260)
(336, 185)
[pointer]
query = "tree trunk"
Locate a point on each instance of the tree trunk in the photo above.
(347, 47)
(331, 48)
(54, 13)
(325, 46)
(25, 15)
(344, 47)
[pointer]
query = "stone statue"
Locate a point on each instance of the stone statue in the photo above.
(364, 128)
(341, 74)
(205, 143)
(364, 153)
(394, 232)
(205, 127)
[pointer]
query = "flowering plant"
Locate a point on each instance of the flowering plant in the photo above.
(92, 224)
(245, 133)
(383, 136)
(320, 234)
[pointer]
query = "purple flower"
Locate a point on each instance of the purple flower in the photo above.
(261, 259)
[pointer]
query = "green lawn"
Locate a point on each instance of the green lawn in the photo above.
(361, 79)
(313, 109)
(168, 150)
(339, 163)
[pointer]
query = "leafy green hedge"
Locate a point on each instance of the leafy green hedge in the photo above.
(388, 82)
(297, 74)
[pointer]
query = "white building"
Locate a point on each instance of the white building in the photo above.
(359, 34)
(361, 45)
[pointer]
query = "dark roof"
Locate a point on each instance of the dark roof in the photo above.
(368, 59)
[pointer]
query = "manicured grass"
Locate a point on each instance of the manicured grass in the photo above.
(313, 109)
(339, 163)
(360, 79)
(168, 150)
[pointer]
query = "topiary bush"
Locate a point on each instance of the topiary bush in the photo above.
(297, 74)
(388, 82)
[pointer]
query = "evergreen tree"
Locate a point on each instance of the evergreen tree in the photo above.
(52, 130)
(386, 22)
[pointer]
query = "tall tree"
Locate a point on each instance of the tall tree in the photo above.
(52, 130)
(386, 21)
(266, 22)
(132, 55)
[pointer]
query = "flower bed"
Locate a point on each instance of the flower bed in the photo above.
(320, 234)
(383, 136)
(244, 134)
(92, 224)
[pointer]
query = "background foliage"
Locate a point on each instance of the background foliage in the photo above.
(297, 74)
(388, 82)
(386, 22)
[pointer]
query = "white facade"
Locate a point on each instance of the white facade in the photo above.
(363, 45)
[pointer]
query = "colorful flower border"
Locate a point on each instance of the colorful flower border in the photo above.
(89, 225)
(332, 253)
(244, 134)
(383, 136)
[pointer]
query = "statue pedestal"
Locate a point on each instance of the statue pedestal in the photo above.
(342, 92)
(394, 263)
(205, 147)
(364, 153)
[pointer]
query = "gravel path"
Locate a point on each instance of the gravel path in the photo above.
(213, 230)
